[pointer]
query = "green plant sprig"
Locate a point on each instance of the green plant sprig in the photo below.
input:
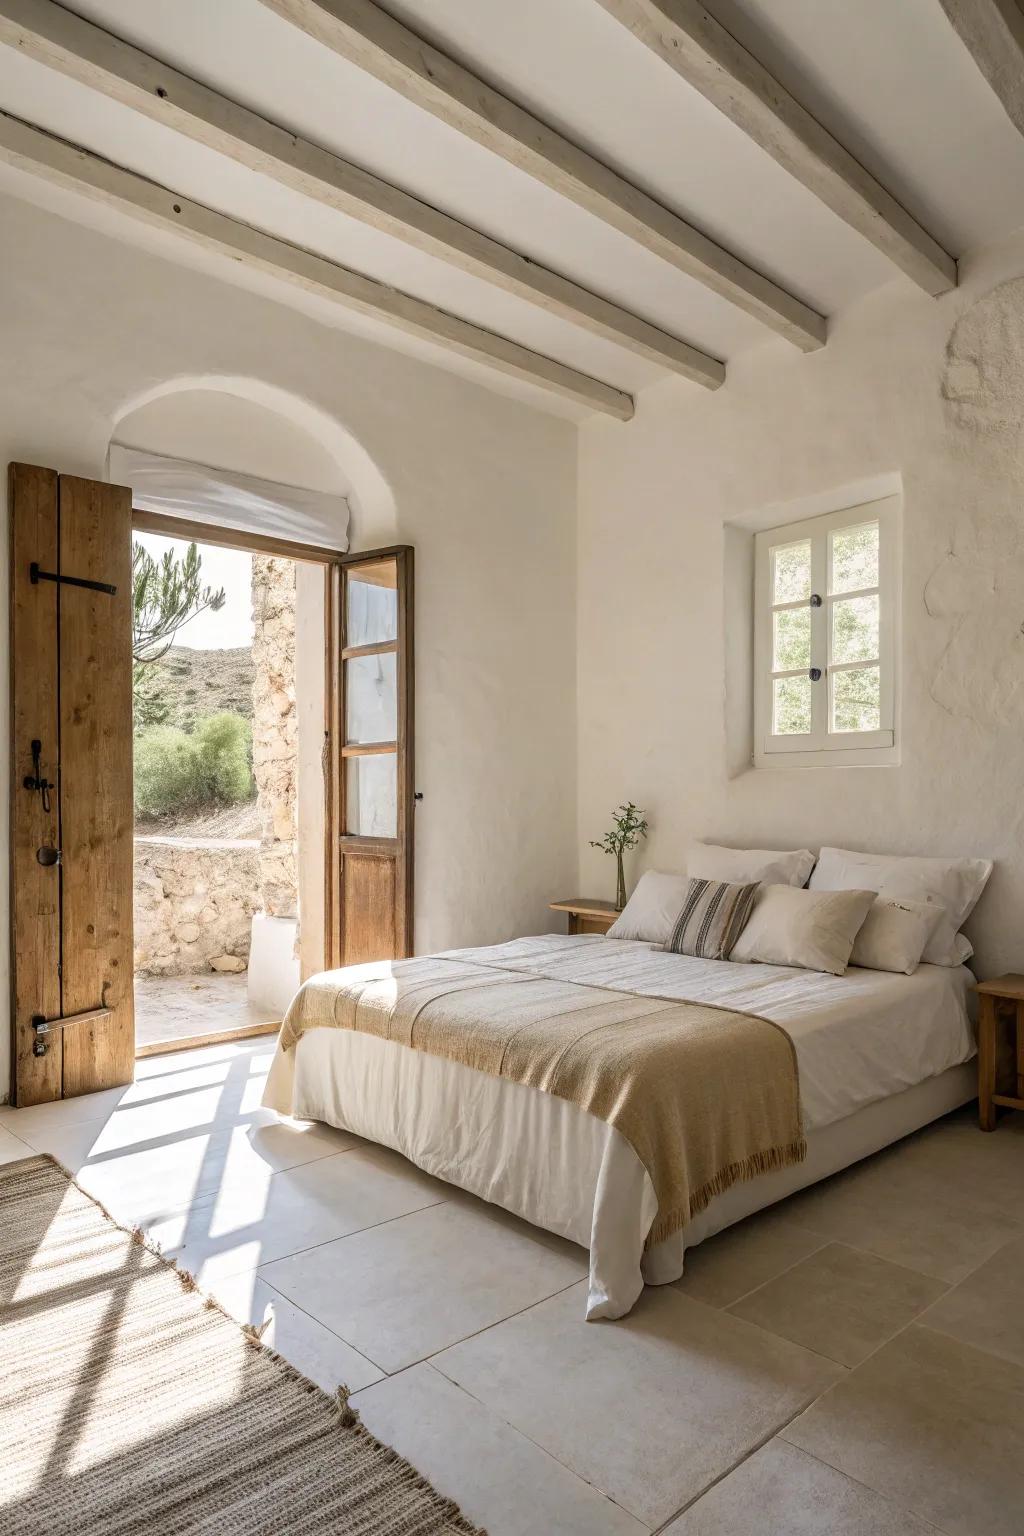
(629, 825)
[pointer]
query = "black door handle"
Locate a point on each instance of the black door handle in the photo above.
(34, 780)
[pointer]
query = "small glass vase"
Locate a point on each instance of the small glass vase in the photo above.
(620, 884)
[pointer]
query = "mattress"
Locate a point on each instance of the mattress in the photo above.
(860, 1040)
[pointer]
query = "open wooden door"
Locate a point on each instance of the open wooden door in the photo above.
(72, 1015)
(370, 737)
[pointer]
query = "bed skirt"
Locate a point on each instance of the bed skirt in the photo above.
(548, 1161)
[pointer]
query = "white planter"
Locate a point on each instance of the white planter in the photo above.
(273, 978)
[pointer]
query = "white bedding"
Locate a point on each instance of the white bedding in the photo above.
(860, 1038)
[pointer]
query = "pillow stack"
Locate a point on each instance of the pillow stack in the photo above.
(877, 911)
(950, 887)
(651, 912)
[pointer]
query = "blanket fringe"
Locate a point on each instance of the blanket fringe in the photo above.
(771, 1160)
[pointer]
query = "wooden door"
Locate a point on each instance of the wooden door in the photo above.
(72, 1014)
(370, 727)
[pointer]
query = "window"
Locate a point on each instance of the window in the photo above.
(825, 618)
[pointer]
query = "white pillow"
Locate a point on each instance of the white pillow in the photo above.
(741, 866)
(894, 935)
(651, 911)
(811, 929)
(954, 885)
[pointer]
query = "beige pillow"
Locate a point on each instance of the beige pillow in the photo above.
(651, 911)
(811, 929)
(894, 934)
(740, 866)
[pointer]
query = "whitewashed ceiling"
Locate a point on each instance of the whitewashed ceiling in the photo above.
(889, 78)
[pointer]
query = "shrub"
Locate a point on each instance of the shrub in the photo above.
(224, 746)
(166, 780)
(177, 773)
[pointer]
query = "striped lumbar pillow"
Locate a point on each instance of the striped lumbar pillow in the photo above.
(714, 914)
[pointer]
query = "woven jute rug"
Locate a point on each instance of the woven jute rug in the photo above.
(131, 1404)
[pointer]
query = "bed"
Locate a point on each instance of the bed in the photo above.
(878, 1055)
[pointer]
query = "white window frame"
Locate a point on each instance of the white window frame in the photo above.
(822, 747)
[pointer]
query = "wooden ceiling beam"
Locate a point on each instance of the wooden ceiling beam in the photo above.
(993, 32)
(368, 37)
(686, 37)
(66, 42)
(42, 154)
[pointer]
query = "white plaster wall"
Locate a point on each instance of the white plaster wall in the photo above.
(310, 617)
(207, 426)
(482, 485)
(655, 632)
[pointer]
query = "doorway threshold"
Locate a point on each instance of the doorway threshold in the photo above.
(179, 1013)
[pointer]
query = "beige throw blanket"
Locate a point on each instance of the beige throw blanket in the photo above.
(705, 1096)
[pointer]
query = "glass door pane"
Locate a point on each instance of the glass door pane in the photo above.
(371, 698)
(372, 604)
(371, 795)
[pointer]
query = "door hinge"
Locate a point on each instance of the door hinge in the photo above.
(35, 576)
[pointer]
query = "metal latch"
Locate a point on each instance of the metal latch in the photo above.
(44, 1026)
(35, 781)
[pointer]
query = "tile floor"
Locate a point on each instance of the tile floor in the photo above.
(850, 1363)
(180, 1007)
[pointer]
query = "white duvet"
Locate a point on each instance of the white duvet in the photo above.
(859, 1038)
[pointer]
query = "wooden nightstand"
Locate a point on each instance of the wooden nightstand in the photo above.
(586, 916)
(1001, 997)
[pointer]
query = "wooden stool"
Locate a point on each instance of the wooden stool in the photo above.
(1002, 996)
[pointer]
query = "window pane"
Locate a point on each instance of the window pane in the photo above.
(371, 698)
(371, 795)
(372, 597)
(791, 706)
(855, 629)
(791, 647)
(856, 700)
(855, 558)
(791, 572)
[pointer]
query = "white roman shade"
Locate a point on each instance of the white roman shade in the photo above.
(226, 499)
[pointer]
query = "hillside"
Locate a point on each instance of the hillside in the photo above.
(195, 683)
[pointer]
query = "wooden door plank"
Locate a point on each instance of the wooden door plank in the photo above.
(368, 899)
(96, 785)
(35, 888)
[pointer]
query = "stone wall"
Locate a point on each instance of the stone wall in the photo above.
(275, 732)
(194, 903)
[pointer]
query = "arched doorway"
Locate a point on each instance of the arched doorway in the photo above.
(232, 907)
